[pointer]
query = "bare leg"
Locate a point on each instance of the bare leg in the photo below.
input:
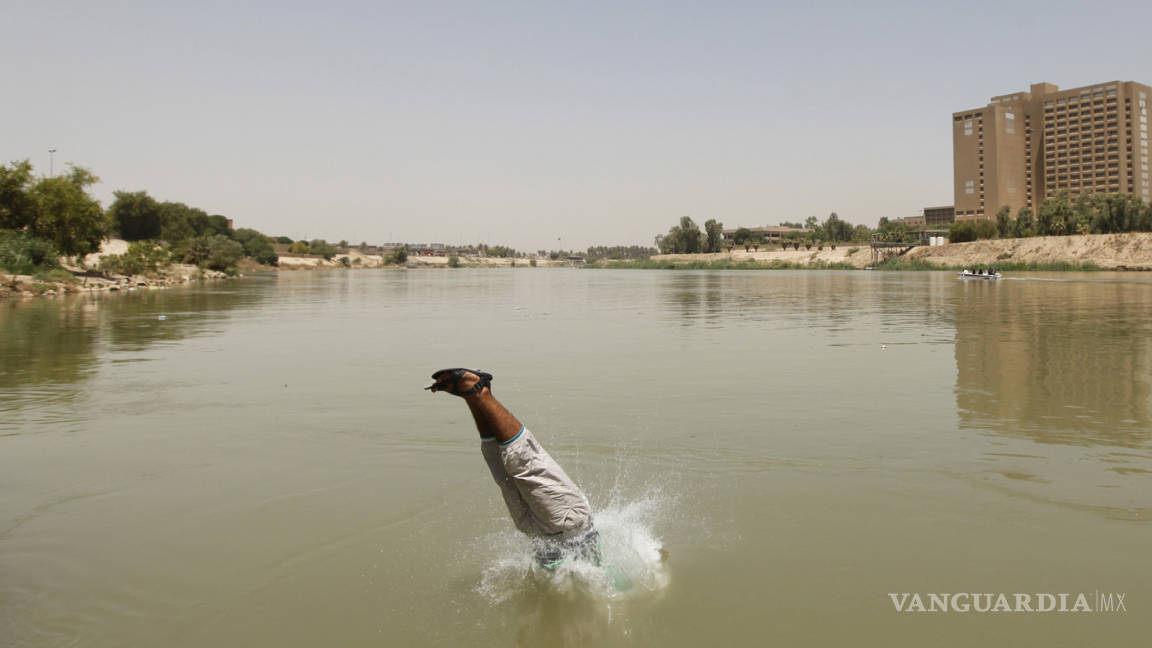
(492, 419)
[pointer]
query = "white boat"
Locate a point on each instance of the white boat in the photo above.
(968, 274)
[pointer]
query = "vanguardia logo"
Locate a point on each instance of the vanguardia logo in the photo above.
(963, 602)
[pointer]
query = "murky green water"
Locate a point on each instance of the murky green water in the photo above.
(261, 467)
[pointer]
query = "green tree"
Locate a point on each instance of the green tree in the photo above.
(223, 253)
(985, 229)
(179, 222)
(811, 223)
(322, 247)
(1118, 213)
(1056, 216)
(299, 247)
(195, 250)
(66, 214)
(714, 235)
(684, 238)
(1025, 223)
(17, 208)
(284, 240)
(961, 232)
(890, 230)
(1084, 208)
(218, 224)
(136, 216)
(256, 245)
(690, 236)
(836, 229)
(1004, 222)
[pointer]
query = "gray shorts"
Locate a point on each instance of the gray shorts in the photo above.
(542, 499)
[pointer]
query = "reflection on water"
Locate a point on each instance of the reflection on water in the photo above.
(51, 347)
(1056, 362)
(834, 302)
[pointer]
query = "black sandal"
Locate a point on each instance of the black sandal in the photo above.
(449, 384)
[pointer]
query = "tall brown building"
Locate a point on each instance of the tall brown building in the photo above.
(1026, 146)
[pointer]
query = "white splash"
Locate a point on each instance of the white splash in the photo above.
(633, 561)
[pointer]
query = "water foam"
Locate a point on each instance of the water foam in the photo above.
(632, 558)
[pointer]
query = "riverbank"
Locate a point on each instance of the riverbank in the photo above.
(1130, 251)
(73, 281)
(71, 278)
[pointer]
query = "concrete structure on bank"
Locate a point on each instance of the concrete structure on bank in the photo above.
(1027, 146)
(934, 216)
(931, 217)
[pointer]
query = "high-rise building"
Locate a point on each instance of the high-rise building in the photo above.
(1024, 147)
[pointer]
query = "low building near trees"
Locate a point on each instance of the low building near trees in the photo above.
(773, 234)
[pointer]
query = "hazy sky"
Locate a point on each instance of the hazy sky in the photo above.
(527, 122)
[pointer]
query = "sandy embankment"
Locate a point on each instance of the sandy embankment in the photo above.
(856, 254)
(316, 262)
(1132, 251)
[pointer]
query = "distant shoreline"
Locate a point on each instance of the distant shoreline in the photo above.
(1080, 253)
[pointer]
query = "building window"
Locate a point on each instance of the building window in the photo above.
(1010, 123)
(968, 127)
(970, 187)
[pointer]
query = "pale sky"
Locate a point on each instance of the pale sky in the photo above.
(533, 124)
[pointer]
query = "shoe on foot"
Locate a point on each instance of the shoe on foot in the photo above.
(446, 380)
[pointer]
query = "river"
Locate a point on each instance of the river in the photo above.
(253, 462)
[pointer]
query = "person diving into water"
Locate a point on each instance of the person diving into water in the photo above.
(545, 504)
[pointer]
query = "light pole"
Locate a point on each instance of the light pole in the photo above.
(51, 159)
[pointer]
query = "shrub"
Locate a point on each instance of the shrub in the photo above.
(257, 246)
(323, 248)
(216, 252)
(22, 253)
(453, 261)
(141, 257)
(299, 247)
(532, 262)
(400, 256)
(961, 233)
(223, 253)
(985, 229)
(344, 261)
(971, 231)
